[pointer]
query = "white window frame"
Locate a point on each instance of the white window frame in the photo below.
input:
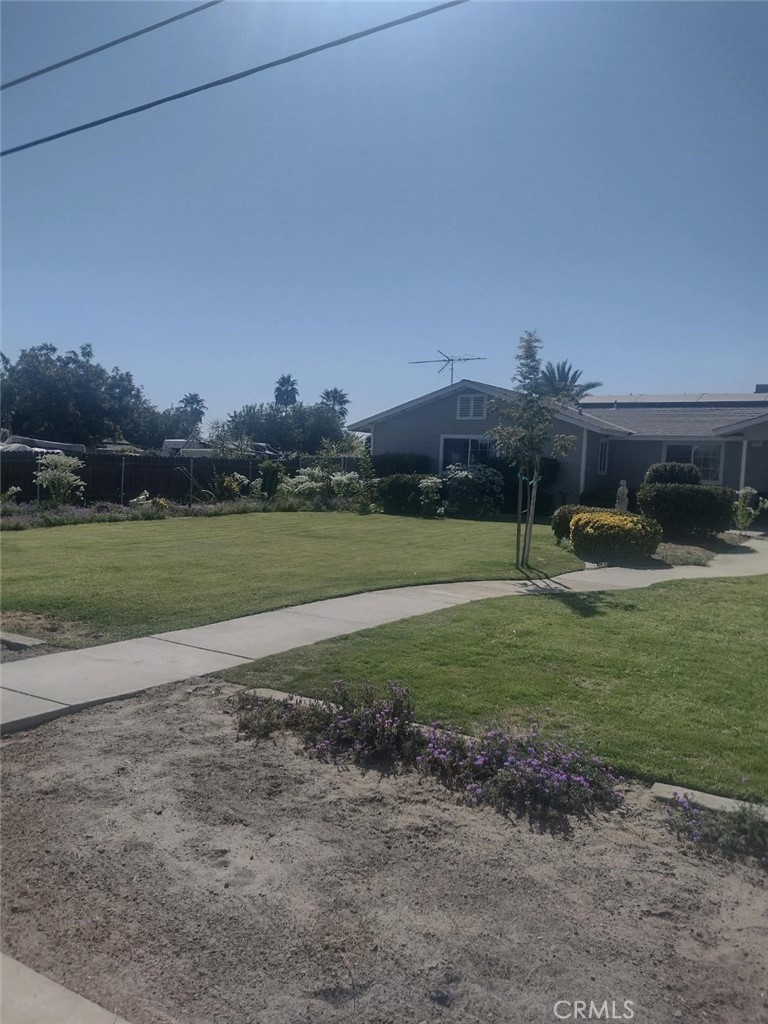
(459, 437)
(602, 457)
(696, 444)
(473, 400)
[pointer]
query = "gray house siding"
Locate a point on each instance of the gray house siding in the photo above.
(419, 430)
(756, 474)
(628, 460)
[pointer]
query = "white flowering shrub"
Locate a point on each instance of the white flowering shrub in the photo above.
(346, 485)
(431, 496)
(474, 491)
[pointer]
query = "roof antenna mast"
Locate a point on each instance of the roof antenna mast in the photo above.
(446, 361)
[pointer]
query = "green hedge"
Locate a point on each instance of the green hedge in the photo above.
(688, 510)
(561, 520)
(399, 494)
(615, 537)
(399, 463)
(672, 473)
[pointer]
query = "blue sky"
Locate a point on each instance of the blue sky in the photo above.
(594, 171)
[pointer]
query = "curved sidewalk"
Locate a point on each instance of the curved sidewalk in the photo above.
(39, 689)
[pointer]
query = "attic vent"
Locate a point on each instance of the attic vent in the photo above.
(471, 407)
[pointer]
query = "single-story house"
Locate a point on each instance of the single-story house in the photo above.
(616, 436)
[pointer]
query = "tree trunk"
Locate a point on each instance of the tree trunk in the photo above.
(529, 521)
(518, 548)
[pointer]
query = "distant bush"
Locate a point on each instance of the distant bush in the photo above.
(672, 473)
(561, 519)
(397, 463)
(614, 537)
(688, 510)
(399, 494)
(431, 496)
(475, 492)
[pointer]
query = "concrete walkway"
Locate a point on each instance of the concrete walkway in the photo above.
(38, 689)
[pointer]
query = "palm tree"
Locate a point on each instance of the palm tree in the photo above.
(560, 380)
(336, 399)
(193, 410)
(286, 391)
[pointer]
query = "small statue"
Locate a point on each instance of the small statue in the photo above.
(622, 497)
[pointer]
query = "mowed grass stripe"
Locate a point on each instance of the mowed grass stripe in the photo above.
(123, 580)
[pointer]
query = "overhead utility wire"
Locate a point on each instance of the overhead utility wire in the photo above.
(106, 46)
(237, 77)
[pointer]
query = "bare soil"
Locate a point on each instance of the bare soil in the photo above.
(170, 873)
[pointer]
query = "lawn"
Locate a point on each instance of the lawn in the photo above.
(108, 581)
(667, 683)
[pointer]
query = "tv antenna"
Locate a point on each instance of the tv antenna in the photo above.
(446, 361)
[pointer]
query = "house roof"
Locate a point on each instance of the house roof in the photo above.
(699, 398)
(575, 417)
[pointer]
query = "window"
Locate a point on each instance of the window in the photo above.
(602, 458)
(466, 451)
(471, 407)
(706, 458)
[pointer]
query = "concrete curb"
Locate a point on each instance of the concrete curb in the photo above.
(661, 791)
(31, 998)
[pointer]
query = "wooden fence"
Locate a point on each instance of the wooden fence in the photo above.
(119, 478)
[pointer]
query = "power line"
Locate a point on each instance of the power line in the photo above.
(235, 78)
(106, 46)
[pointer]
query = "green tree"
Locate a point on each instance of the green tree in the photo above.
(194, 409)
(561, 381)
(298, 428)
(286, 391)
(337, 400)
(523, 432)
(69, 397)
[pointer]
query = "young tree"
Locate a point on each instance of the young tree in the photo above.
(337, 400)
(523, 432)
(286, 391)
(560, 380)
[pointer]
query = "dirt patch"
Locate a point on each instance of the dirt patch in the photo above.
(21, 654)
(165, 870)
(683, 554)
(60, 634)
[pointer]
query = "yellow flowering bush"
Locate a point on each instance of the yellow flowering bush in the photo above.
(605, 536)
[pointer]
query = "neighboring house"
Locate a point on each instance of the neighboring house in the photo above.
(616, 436)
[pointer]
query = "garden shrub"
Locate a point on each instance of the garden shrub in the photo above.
(614, 537)
(58, 475)
(270, 477)
(431, 496)
(548, 470)
(474, 492)
(399, 494)
(746, 508)
(688, 510)
(397, 463)
(561, 519)
(672, 473)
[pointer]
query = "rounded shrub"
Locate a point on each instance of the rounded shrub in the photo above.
(672, 473)
(688, 510)
(561, 519)
(399, 494)
(603, 536)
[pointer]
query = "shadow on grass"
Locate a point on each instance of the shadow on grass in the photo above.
(589, 605)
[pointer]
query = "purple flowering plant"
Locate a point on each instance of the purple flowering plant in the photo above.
(737, 835)
(527, 775)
